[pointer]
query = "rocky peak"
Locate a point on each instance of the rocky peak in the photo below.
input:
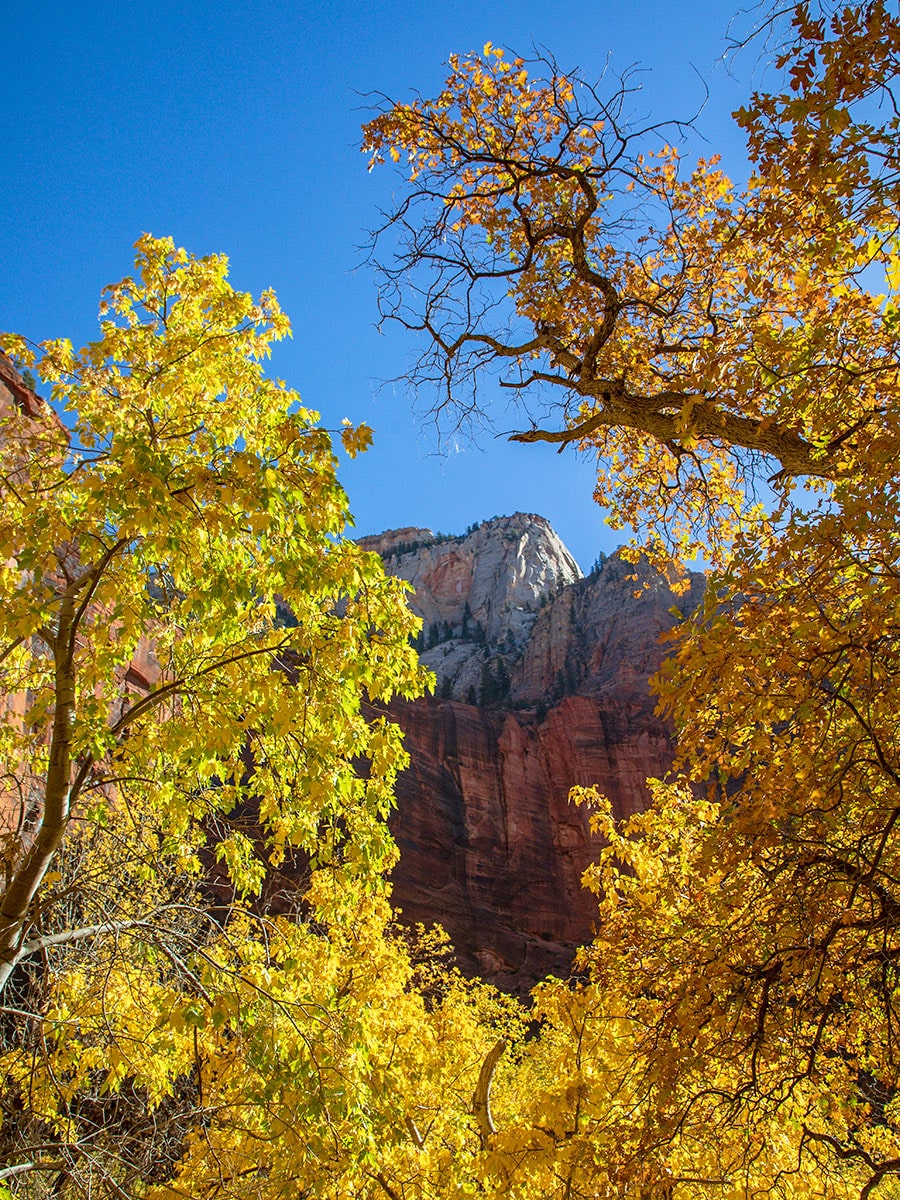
(602, 636)
(400, 542)
(478, 594)
(558, 667)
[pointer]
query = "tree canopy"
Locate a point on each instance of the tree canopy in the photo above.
(193, 503)
(188, 640)
(731, 357)
(696, 335)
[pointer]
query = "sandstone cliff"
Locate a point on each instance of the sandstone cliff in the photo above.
(542, 683)
(479, 595)
(556, 670)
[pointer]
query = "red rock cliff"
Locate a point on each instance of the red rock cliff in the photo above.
(490, 846)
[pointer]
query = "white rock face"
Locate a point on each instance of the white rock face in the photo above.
(478, 594)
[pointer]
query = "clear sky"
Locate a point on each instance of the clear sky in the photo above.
(236, 128)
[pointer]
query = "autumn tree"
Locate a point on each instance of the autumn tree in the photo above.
(731, 357)
(187, 638)
(191, 519)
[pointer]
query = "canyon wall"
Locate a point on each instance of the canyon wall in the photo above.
(542, 683)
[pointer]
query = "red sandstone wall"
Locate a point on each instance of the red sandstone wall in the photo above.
(490, 846)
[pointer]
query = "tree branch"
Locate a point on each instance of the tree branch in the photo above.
(707, 421)
(481, 1100)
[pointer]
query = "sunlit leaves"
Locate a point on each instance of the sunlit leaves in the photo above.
(698, 338)
(731, 356)
(197, 500)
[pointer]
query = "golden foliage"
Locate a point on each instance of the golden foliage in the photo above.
(731, 356)
(732, 1033)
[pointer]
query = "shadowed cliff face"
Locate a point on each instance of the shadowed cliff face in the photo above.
(490, 846)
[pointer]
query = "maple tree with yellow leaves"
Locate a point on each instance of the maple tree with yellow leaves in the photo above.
(189, 524)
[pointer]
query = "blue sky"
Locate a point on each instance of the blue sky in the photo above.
(236, 128)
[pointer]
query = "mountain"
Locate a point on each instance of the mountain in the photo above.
(542, 683)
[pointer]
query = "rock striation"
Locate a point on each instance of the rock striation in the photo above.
(542, 683)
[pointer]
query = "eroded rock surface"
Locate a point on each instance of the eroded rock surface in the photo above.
(555, 669)
(482, 591)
